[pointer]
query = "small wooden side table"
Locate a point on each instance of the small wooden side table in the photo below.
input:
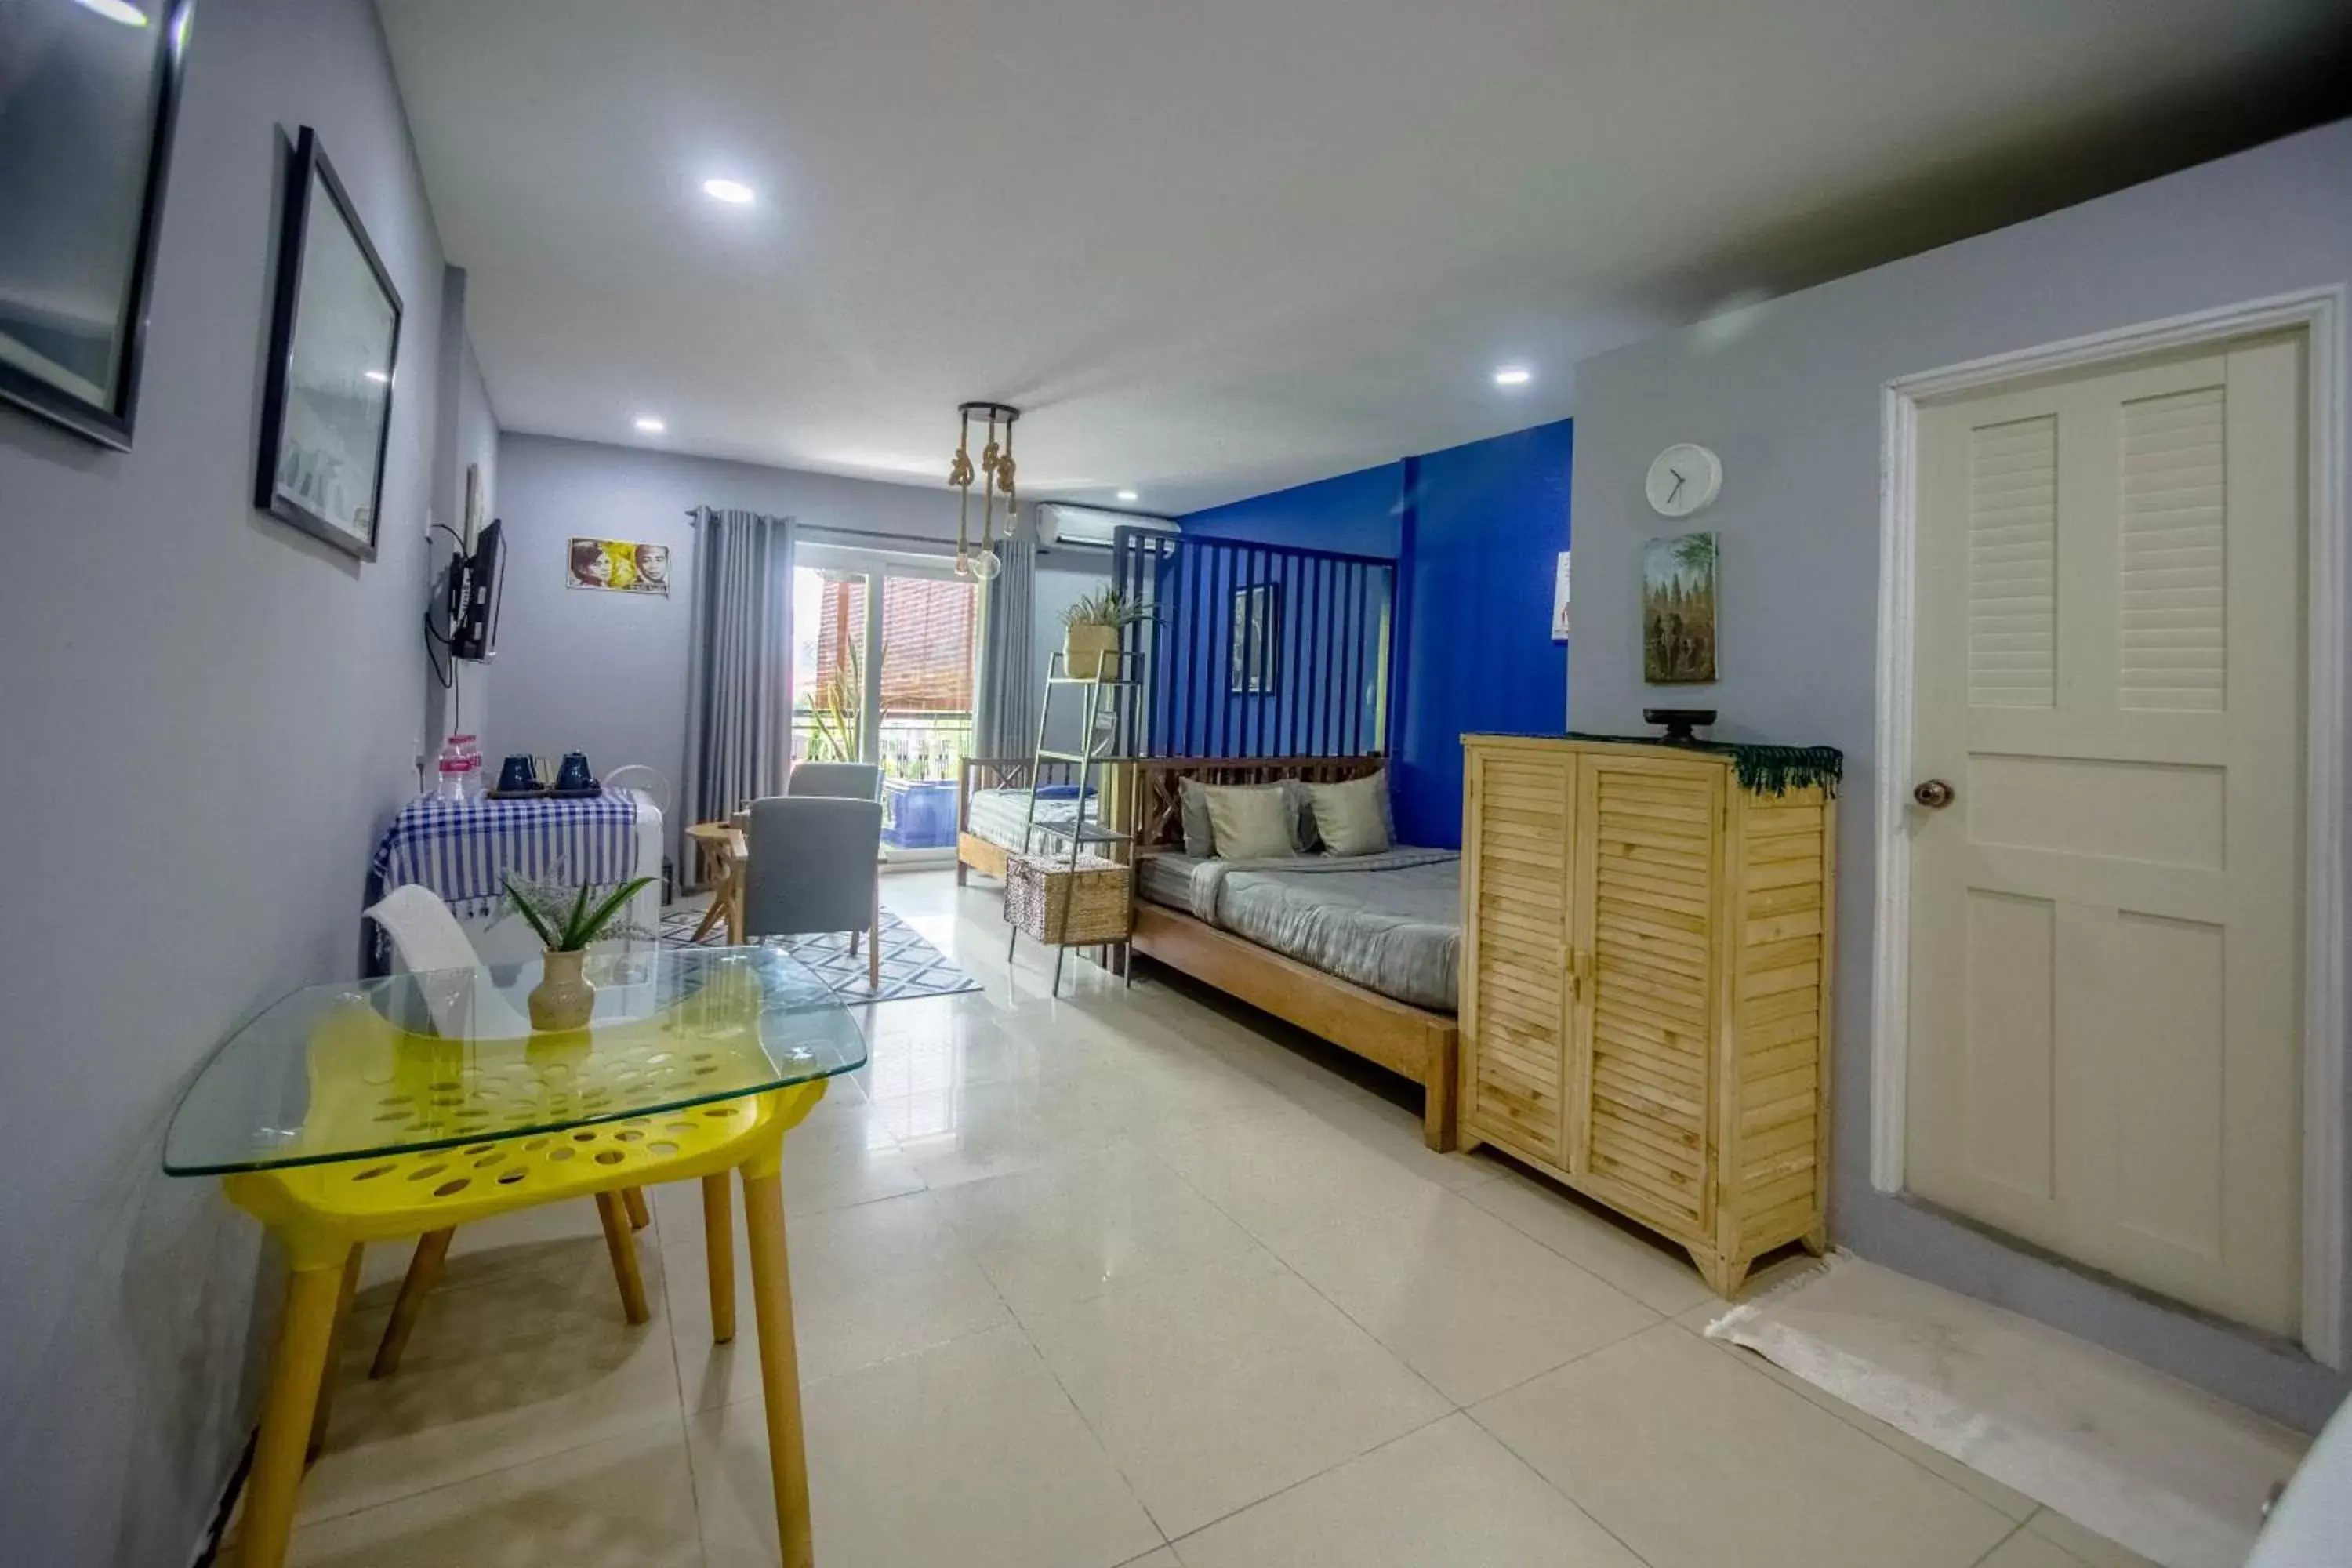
(724, 856)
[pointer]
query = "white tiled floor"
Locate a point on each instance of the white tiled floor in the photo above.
(1121, 1279)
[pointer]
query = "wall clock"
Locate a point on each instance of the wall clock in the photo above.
(1685, 479)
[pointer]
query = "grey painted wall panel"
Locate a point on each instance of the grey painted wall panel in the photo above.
(1788, 395)
(206, 719)
(605, 673)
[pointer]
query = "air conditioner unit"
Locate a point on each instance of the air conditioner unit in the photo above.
(1059, 525)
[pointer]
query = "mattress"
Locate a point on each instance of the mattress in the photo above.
(1390, 922)
(1000, 814)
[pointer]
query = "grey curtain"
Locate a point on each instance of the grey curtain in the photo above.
(739, 697)
(1004, 723)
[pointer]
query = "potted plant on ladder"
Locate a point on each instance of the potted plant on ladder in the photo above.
(1090, 629)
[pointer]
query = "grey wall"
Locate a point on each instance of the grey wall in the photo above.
(208, 718)
(605, 673)
(1789, 398)
(1063, 576)
(466, 433)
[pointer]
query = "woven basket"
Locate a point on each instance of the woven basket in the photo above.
(1060, 907)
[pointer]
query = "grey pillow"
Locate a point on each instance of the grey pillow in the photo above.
(1201, 839)
(1352, 816)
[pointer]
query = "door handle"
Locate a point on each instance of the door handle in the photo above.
(1934, 794)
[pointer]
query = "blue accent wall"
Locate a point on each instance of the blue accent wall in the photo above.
(1485, 524)
(1475, 530)
(1357, 513)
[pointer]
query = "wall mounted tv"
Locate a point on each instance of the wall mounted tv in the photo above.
(475, 581)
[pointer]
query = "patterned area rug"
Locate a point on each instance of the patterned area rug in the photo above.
(911, 966)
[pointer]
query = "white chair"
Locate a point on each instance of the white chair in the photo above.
(636, 775)
(432, 945)
(650, 784)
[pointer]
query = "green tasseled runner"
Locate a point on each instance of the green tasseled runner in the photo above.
(1762, 770)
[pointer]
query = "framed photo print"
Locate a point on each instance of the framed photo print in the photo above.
(88, 94)
(1257, 638)
(334, 341)
(618, 565)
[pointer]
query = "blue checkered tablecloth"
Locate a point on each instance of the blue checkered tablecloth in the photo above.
(463, 849)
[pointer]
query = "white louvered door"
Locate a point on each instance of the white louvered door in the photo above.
(2107, 919)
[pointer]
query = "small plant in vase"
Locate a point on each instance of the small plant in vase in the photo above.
(569, 920)
(1090, 629)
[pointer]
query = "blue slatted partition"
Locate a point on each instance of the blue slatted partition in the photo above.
(1256, 650)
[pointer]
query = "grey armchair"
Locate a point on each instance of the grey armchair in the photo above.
(843, 781)
(811, 869)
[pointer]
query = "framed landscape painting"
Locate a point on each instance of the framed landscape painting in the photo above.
(334, 339)
(87, 95)
(1678, 610)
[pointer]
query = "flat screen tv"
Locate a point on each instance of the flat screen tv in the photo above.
(476, 581)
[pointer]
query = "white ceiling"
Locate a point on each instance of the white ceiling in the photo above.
(1214, 247)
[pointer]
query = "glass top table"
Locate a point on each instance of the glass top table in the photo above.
(432, 1060)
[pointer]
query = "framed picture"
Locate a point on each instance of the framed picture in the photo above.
(87, 95)
(1559, 581)
(334, 341)
(1678, 610)
(618, 566)
(1257, 638)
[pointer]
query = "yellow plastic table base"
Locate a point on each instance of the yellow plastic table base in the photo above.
(322, 1213)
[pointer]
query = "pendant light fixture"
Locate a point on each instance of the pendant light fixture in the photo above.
(978, 559)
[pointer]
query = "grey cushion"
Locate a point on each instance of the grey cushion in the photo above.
(812, 867)
(844, 781)
(1353, 817)
(1253, 824)
(1201, 839)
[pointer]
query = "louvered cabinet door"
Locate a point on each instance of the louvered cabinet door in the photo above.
(1518, 808)
(1647, 886)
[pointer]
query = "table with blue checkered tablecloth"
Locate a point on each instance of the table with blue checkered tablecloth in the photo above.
(465, 849)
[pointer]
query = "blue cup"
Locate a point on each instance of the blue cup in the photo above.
(515, 774)
(573, 773)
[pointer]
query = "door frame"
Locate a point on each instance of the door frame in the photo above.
(2320, 315)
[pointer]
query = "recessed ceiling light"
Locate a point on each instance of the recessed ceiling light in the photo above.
(116, 11)
(1127, 495)
(734, 193)
(381, 377)
(1514, 375)
(651, 425)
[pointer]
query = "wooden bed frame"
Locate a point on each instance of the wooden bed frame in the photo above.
(1143, 797)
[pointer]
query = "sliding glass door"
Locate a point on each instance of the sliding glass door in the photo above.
(885, 668)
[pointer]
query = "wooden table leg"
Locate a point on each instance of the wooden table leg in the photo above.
(295, 1371)
(780, 1375)
(717, 873)
(424, 1273)
(640, 1217)
(714, 913)
(623, 1245)
(349, 1287)
(719, 1244)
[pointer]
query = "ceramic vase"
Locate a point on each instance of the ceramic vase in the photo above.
(563, 997)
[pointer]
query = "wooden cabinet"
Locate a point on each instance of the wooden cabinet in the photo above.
(1645, 987)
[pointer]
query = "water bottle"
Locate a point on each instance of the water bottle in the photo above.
(470, 749)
